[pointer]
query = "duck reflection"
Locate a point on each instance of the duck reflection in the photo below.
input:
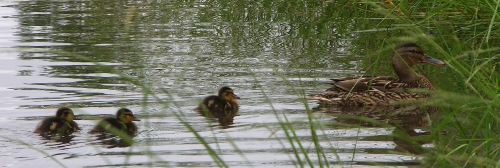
(113, 141)
(58, 138)
(222, 106)
(404, 118)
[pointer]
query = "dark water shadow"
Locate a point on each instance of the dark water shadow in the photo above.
(403, 118)
(65, 138)
(225, 121)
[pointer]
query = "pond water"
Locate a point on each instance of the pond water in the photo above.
(271, 54)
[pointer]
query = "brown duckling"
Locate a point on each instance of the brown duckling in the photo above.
(122, 121)
(61, 124)
(383, 90)
(221, 106)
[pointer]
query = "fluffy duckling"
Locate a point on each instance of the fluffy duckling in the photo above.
(123, 121)
(383, 90)
(61, 124)
(221, 106)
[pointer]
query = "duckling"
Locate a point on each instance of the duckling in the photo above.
(383, 90)
(61, 124)
(123, 121)
(221, 106)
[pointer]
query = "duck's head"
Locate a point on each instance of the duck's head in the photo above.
(227, 94)
(412, 54)
(65, 113)
(126, 116)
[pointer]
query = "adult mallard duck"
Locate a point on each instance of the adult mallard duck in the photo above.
(123, 121)
(382, 90)
(221, 106)
(61, 124)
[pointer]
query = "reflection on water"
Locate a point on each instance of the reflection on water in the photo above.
(113, 141)
(57, 138)
(411, 115)
(272, 53)
(224, 121)
(404, 118)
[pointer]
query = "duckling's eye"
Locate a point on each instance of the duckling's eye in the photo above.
(413, 51)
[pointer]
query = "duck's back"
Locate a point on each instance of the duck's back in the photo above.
(218, 107)
(107, 123)
(368, 90)
(54, 125)
(111, 122)
(372, 90)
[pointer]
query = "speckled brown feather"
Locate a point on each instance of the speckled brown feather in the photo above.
(383, 90)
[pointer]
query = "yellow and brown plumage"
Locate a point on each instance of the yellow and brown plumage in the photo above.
(383, 90)
(61, 124)
(221, 106)
(123, 121)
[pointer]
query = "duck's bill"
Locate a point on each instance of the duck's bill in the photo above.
(136, 119)
(77, 118)
(433, 61)
(236, 97)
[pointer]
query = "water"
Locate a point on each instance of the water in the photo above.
(182, 52)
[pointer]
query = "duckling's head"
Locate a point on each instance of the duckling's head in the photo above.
(65, 113)
(412, 54)
(227, 94)
(126, 116)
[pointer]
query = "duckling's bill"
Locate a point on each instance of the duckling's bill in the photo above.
(136, 119)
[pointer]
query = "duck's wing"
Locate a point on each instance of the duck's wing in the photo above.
(364, 83)
(49, 125)
(104, 124)
(363, 78)
(386, 83)
(213, 104)
(131, 129)
(352, 85)
(367, 90)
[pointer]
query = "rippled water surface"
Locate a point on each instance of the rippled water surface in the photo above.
(98, 56)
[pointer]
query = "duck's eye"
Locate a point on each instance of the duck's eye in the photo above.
(413, 51)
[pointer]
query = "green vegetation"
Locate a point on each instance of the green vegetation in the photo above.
(465, 34)
(470, 112)
(465, 131)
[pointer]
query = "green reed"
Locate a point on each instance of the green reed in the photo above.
(468, 113)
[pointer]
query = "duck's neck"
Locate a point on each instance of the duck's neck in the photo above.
(404, 71)
(234, 104)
